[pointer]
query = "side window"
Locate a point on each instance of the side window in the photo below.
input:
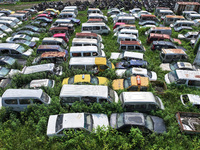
(169, 57)
(24, 101)
(76, 54)
(11, 101)
(104, 28)
(14, 52)
(91, 67)
(5, 51)
(133, 88)
(142, 107)
(138, 48)
(193, 83)
(123, 47)
(158, 32)
(101, 100)
(96, 28)
(130, 47)
(66, 100)
(78, 66)
(76, 44)
(86, 54)
(103, 67)
(37, 101)
(94, 54)
(89, 100)
(181, 81)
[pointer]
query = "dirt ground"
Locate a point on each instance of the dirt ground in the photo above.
(28, 5)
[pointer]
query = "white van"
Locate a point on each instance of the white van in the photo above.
(127, 37)
(128, 31)
(88, 93)
(184, 77)
(86, 51)
(61, 21)
(192, 16)
(86, 42)
(159, 30)
(65, 15)
(94, 11)
(17, 21)
(169, 19)
(125, 19)
(170, 55)
(140, 101)
(99, 28)
(74, 8)
(19, 99)
(180, 23)
(69, 10)
(98, 16)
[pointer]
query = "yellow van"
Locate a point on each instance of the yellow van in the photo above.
(92, 64)
(133, 83)
(86, 78)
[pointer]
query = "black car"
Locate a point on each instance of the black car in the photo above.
(131, 63)
(28, 32)
(32, 28)
(159, 45)
(146, 123)
(44, 19)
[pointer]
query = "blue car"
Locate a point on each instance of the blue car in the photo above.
(131, 63)
(75, 21)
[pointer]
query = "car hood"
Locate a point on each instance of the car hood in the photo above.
(159, 125)
(8, 30)
(113, 121)
(28, 52)
(167, 79)
(8, 39)
(114, 55)
(34, 39)
(100, 120)
(32, 44)
(181, 36)
(12, 73)
(120, 72)
(119, 65)
(154, 76)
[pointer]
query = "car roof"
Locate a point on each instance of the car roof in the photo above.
(52, 54)
(52, 39)
(131, 118)
(173, 16)
(184, 65)
(9, 45)
(173, 51)
(133, 54)
(188, 74)
(86, 35)
(130, 43)
(84, 40)
(136, 70)
(163, 43)
(38, 68)
(143, 97)
(48, 47)
(39, 82)
(87, 60)
(83, 48)
(195, 99)
(70, 90)
(12, 93)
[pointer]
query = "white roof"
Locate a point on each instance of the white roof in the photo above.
(39, 83)
(193, 33)
(183, 21)
(129, 31)
(83, 49)
(195, 15)
(20, 36)
(63, 20)
(127, 36)
(8, 18)
(166, 10)
(38, 68)
(84, 40)
(93, 24)
(93, 9)
(52, 39)
(195, 99)
(95, 15)
(138, 97)
(9, 45)
(82, 60)
(187, 74)
(84, 90)
(12, 93)
(133, 54)
(139, 70)
(126, 17)
(73, 120)
(70, 7)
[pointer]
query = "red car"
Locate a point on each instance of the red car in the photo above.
(64, 36)
(43, 15)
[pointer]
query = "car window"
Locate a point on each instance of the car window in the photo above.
(24, 101)
(89, 100)
(37, 101)
(11, 101)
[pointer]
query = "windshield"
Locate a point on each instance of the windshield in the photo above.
(16, 20)
(149, 123)
(28, 38)
(10, 60)
(3, 27)
(111, 95)
(187, 34)
(109, 64)
(120, 120)
(149, 74)
(45, 97)
(173, 66)
(60, 49)
(127, 83)
(4, 71)
(50, 83)
(172, 76)
(27, 43)
(20, 49)
(59, 122)
(88, 122)
(157, 101)
(12, 24)
(94, 80)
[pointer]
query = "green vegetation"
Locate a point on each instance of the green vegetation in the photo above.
(27, 130)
